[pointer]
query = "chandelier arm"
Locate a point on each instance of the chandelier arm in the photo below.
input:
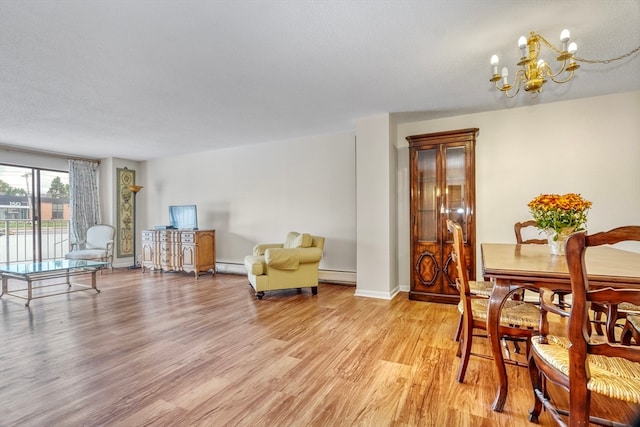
(502, 88)
(516, 92)
(518, 78)
(552, 75)
(565, 80)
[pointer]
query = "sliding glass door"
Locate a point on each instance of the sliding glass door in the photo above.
(34, 214)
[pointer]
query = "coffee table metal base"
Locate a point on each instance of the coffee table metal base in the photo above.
(48, 275)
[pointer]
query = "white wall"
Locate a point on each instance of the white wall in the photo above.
(588, 146)
(256, 194)
(376, 162)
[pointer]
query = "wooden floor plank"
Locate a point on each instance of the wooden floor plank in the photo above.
(162, 349)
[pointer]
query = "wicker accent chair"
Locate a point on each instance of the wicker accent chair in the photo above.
(518, 321)
(576, 362)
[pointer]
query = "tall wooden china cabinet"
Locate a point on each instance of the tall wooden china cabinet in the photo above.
(442, 175)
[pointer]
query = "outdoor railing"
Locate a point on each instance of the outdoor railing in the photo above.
(17, 240)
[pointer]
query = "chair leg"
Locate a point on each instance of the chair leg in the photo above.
(579, 407)
(628, 333)
(456, 338)
(536, 382)
(625, 336)
(314, 290)
(507, 352)
(464, 350)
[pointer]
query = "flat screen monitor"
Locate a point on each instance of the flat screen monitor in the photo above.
(184, 217)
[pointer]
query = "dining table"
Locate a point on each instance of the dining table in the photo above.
(526, 266)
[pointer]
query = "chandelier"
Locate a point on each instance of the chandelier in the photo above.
(533, 72)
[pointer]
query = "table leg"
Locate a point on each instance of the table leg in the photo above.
(29, 291)
(5, 286)
(93, 281)
(499, 294)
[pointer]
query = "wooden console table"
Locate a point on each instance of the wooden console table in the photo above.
(179, 250)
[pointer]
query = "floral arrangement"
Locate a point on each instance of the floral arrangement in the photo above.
(566, 213)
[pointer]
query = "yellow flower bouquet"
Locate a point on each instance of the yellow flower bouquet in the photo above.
(562, 214)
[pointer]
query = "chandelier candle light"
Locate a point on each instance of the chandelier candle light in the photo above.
(559, 216)
(533, 70)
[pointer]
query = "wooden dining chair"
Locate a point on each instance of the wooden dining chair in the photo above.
(481, 289)
(614, 313)
(523, 231)
(525, 227)
(576, 362)
(518, 319)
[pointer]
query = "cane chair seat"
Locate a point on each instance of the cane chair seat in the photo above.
(634, 320)
(628, 307)
(518, 313)
(481, 288)
(615, 377)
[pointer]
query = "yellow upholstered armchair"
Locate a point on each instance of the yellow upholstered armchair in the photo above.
(292, 264)
(98, 245)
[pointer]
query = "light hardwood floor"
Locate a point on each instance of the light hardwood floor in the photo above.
(163, 349)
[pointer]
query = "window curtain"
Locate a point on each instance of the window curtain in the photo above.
(83, 198)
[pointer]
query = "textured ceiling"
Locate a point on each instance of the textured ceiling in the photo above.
(141, 79)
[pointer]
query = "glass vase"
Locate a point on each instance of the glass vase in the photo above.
(558, 240)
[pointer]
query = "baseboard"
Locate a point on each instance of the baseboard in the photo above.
(333, 276)
(330, 276)
(122, 263)
(377, 294)
(231, 268)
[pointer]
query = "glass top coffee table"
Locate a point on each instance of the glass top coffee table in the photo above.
(47, 271)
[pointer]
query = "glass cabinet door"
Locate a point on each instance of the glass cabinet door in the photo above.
(455, 190)
(427, 202)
